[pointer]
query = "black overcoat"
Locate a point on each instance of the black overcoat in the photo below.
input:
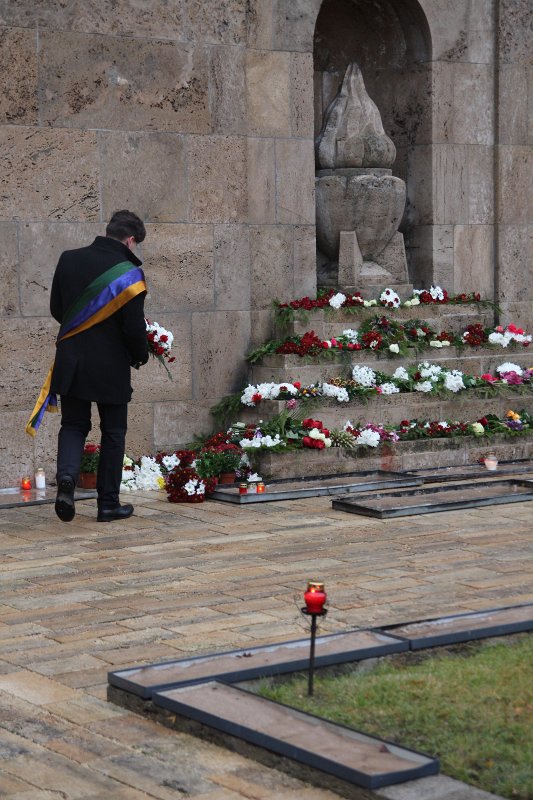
(96, 364)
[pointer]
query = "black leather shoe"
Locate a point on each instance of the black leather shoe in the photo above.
(65, 508)
(117, 512)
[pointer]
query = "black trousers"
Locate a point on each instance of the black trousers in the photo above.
(75, 427)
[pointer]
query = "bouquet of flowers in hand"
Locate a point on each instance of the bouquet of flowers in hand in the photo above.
(160, 343)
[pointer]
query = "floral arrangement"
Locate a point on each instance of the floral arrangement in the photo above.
(391, 338)
(214, 460)
(317, 435)
(335, 300)
(160, 343)
(90, 458)
(183, 485)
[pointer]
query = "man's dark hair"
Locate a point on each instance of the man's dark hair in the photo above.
(124, 224)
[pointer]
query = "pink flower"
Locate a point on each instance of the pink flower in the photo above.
(291, 403)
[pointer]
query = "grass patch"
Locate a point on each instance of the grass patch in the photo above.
(472, 707)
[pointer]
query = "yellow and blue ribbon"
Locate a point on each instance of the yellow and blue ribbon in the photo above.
(105, 295)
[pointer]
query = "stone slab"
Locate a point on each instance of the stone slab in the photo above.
(346, 753)
(315, 486)
(256, 662)
(442, 498)
(17, 498)
(465, 627)
(472, 471)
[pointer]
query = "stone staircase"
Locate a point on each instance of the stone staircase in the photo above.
(465, 406)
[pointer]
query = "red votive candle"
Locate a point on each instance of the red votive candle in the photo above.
(25, 483)
(315, 597)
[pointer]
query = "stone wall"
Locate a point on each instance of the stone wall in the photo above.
(198, 115)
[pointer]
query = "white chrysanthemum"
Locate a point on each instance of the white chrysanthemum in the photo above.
(502, 339)
(337, 300)
(147, 474)
(436, 293)
(453, 381)
(389, 388)
(431, 371)
(401, 374)
(128, 483)
(169, 462)
(368, 437)
(364, 375)
(351, 334)
(423, 386)
(338, 392)
(394, 348)
(509, 367)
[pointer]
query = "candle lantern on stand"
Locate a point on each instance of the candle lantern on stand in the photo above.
(314, 598)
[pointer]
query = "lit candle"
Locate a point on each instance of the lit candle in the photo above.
(315, 597)
(40, 479)
(25, 483)
(260, 488)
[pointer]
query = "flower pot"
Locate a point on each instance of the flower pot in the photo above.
(226, 477)
(87, 480)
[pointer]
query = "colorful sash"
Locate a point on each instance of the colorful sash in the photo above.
(105, 295)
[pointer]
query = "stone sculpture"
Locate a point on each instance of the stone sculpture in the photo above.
(359, 203)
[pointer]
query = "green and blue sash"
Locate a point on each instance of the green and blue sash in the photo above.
(105, 295)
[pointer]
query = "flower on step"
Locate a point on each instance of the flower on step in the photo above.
(507, 368)
(453, 381)
(389, 298)
(512, 415)
(508, 335)
(351, 334)
(338, 392)
(488, 377)
(389, 388)
(364, 376)
(394, 348)
(368, 437)
(414, 301)
(423, 386)
(477, 429)
(337, 300)
(400, 374)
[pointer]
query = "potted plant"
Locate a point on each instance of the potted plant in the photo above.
(89, 466)
(220, 461)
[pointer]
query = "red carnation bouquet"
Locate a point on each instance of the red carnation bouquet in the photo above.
(160, 343)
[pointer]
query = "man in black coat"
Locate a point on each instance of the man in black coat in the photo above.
(95, 366)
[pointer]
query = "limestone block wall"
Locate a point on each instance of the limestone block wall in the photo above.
(190, 113)
(198, 114)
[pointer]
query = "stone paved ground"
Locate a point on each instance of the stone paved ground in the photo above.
(78, 600)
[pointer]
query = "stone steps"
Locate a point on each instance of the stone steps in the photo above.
(397, 457)
(470, 360)
(468, 405)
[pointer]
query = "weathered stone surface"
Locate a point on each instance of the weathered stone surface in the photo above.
(463, 106)
(295, 198)
(41, 244)
(271, 259)
(515, 260)
(513, 114)
(450, 184)
(474, 259)
(118, 17)
(177, 423)
(260, 24)
(370, 204)
(220, 342)
(294, 24)
(140, 436)
(217, 179)
(262, 328)
(420, 200)
(352, 134)
(145, 172)
(268, 93)
(304, 261)
(151, 382)
(461, 31)
(23, 377)
(9, 270)
(232, 277)
(16, 447)
(515, 31)
(228, 90)
(18, 77)
(31, 156)
(179, 267)
(443, 249)
(261, 161)
(219, 21)
(157, 85)
(514, 184)
(302, 94)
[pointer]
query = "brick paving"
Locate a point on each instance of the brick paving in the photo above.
(78, 600)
